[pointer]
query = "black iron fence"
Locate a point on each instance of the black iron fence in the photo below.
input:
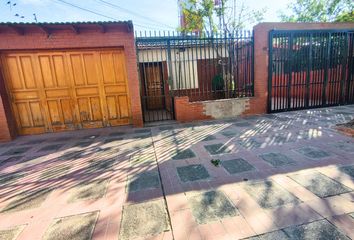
(310, 68)
(202, 67)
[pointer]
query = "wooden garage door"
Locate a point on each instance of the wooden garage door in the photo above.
(63, 90)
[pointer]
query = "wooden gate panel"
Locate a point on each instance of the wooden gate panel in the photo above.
(56, 91)
(24, 93)
(115, 89)
(86, 84)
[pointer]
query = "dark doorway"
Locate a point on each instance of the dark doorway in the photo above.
(156, 100)
(154, 86)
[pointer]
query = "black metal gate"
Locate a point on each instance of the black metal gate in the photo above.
(310, 68)
(156, 98)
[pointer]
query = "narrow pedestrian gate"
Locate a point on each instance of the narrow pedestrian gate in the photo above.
(310, 68)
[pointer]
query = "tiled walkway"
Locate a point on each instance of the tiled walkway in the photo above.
(281, 176)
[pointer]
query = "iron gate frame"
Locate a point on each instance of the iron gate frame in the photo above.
(346, 82)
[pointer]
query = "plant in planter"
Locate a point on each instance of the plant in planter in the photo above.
(217, 85)
(215, 162)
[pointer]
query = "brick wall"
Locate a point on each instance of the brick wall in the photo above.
(186, 111)
(115, 35)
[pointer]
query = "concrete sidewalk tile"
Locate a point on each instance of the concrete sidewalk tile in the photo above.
(237, 227)
(345, 223)
(293, 215)
(331, 206)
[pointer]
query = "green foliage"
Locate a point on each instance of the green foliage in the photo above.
(217, 82)
(215, 162)
(204, 15)
(345, 17)
(319, 11)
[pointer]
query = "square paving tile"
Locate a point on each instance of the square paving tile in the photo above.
(10, 160)
(145, 180)
(277, 159)
(99, 165)
(269, 194)
(71, 155)
(243, 124)
(10, 178)
(238, 165)
(215, 149)
(115, 134)
(188, 153)
(34, 142)
(230, 134)
(193, 172)
(146, 130)
(142, 136)
(312, 152)
(16, 151)
(211, 206)
(89, 190)
(62, 139)
(270, 116)
(348, 170)
(144, 220)
(50, 148)
(282, 119)
(76, 227)
(276, 235)
(55, 172)
(166, 128)
(27, 200)
(320, 184)
(11, 233)
(142, 159)
(321, 229)
(209, 138)
(83, 144)
(344, 146)
(249, 143)
(112, 139)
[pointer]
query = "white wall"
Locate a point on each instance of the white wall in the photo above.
(184, 71)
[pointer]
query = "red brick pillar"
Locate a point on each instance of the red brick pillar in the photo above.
(258, 104)
(133, 82)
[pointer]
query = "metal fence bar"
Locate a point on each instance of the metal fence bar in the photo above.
(207, 66)
(310, 68)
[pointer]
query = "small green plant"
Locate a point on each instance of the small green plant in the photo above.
(215, 162)
(218, 82)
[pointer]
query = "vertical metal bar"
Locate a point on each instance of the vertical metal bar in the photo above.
(210, 46)
(344, 68)
(350, 56)
(290, 66)
(252, 62)
(192, 46)
(326, 67)
(308, 74)
(161, 62)
(270, 71)
(176, 64)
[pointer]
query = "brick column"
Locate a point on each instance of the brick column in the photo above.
(133, 82)
(258, 104)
